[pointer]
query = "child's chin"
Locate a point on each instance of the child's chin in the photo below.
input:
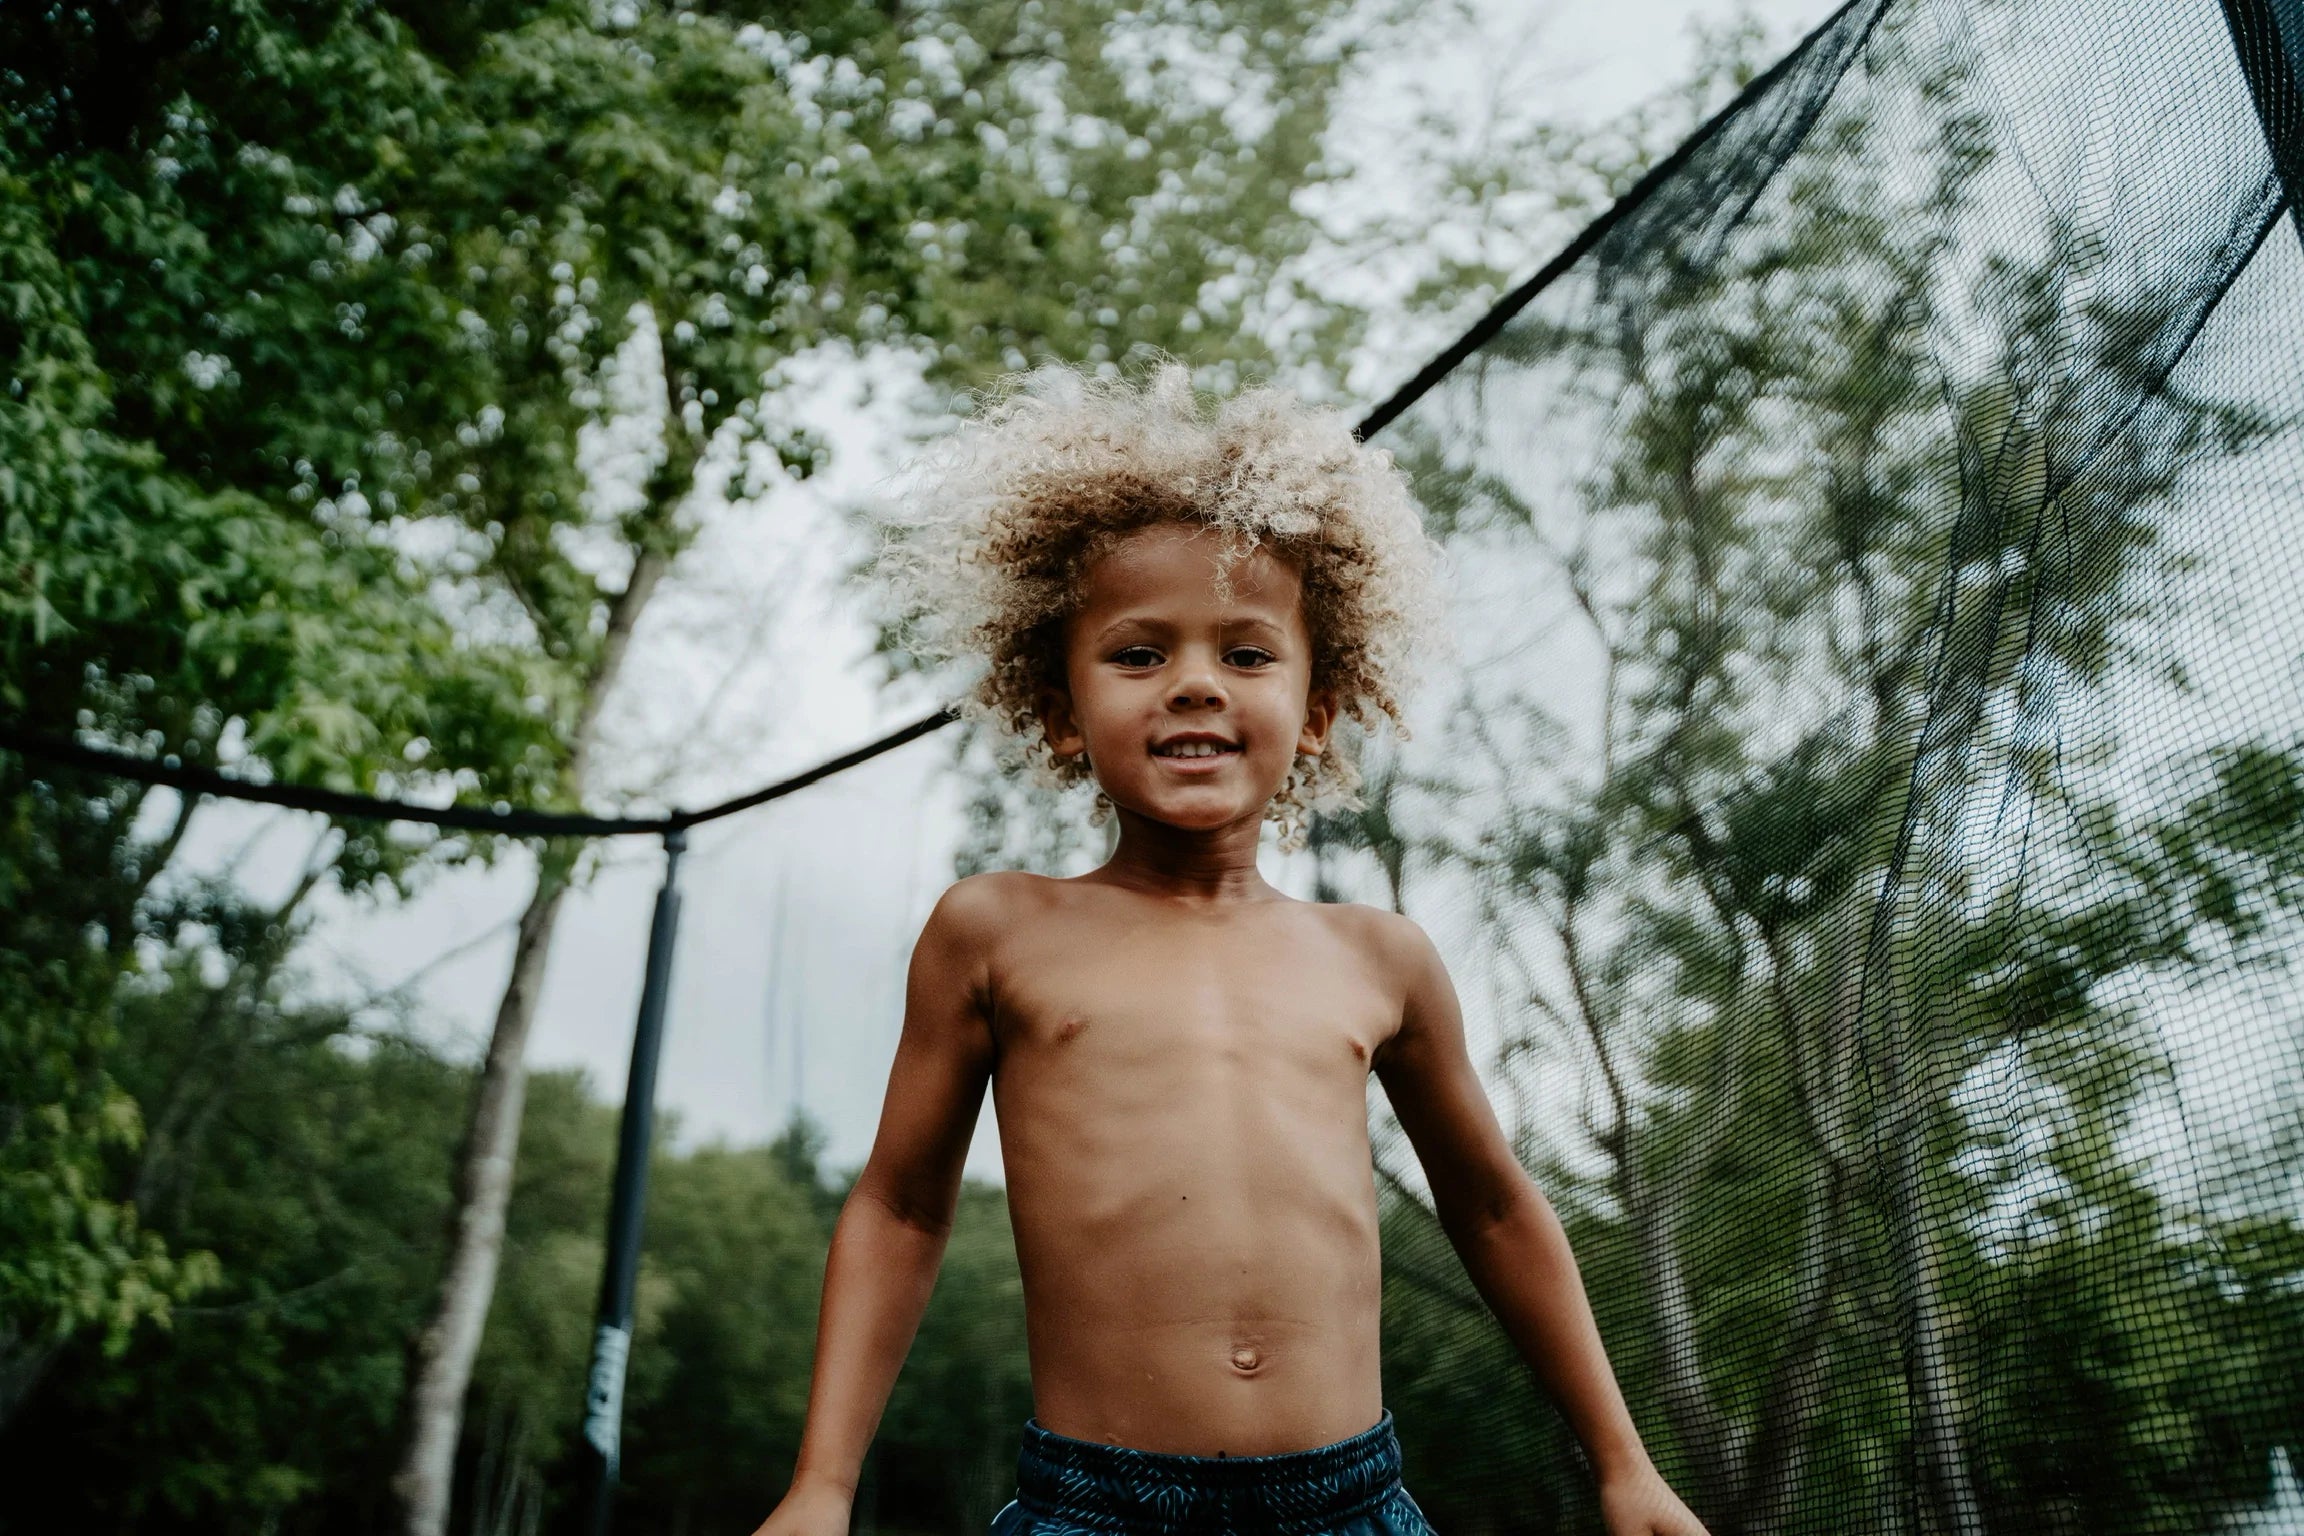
(1201, 813)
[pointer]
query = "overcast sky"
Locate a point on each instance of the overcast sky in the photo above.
(751, 665)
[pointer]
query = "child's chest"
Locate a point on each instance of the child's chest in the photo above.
(1249, 994)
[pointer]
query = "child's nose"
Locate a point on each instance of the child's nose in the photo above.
(1198, 686)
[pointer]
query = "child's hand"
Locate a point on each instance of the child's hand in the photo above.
(1638, 1504)
(810, 1508)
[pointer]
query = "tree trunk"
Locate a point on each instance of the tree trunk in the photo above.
(441, 1369)
(1774, 1458)
(1947, 1492)
(1696, 1419)
(1651, 1213)
(1775, 1455)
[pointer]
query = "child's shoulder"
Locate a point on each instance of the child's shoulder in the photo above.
(981, 906)
(1394, 953)
(1396, 941)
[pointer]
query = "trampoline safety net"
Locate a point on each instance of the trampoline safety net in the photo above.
(1867, 812)
(1863, 811)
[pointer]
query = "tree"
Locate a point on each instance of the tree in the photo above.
(194, 318)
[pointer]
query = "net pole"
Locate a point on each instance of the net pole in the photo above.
(612, 1337)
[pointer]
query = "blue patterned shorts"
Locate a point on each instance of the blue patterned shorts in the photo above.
(1067, 1487)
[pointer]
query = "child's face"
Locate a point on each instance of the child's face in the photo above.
(1190, 707)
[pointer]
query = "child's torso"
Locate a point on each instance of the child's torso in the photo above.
(1182, 1100)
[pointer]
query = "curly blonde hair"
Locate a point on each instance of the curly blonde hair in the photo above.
(995, 527)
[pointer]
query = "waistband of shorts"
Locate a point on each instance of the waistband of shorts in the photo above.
(1118, 1488)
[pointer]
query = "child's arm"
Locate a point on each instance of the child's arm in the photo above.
(1511, 1242)
(891, 1234)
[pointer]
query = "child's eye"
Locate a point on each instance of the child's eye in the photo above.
(1248, 656)
(1137, 656)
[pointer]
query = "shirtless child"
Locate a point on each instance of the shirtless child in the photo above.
(1179, 1053)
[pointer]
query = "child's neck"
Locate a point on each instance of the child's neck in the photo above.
(1212, 864)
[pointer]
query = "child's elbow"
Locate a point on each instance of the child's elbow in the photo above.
(1510, 1203)
(927, 1212)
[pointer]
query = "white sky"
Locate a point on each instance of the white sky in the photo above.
(750, 664)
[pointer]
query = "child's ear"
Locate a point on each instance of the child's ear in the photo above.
(1319, 720)
(1059, 724)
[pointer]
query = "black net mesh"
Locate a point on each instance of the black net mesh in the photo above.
(1863, 812)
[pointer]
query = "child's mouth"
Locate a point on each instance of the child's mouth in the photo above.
(1196, 752)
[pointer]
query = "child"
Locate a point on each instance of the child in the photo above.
(1178, 1053)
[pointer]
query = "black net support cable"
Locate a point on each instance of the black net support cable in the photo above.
(517, 821)
(171, 771)
(1826, 49)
